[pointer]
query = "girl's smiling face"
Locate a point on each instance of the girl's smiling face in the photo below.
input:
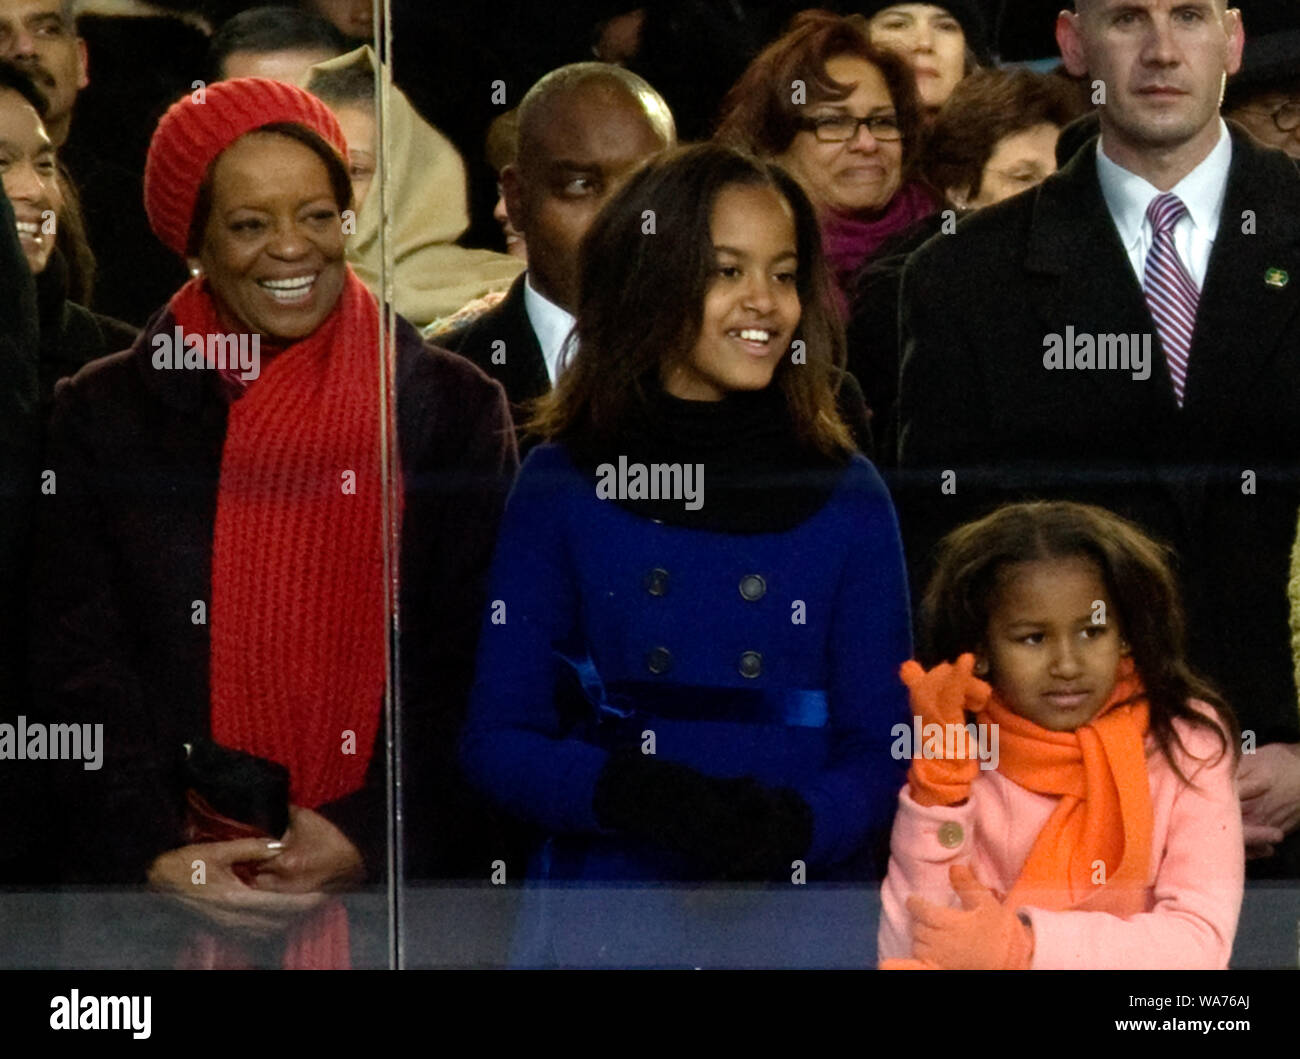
(751, 307)
(1053, 645)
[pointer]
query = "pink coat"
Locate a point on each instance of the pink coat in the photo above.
(1195, 882)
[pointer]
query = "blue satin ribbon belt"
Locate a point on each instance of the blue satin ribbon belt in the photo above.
(619, 702)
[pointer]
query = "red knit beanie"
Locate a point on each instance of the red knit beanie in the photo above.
(195, 130)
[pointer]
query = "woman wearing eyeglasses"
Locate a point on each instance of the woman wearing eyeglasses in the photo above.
(842, 117)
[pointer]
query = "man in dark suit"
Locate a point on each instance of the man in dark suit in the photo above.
(583, 130)
(1092, 339)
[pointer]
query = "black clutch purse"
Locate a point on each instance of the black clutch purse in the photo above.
(234, 787)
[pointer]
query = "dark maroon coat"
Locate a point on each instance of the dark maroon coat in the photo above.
(124, 548)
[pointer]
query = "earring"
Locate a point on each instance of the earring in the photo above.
(196, 272)
(981, 668)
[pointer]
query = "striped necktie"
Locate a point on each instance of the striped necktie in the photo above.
(1171, 293)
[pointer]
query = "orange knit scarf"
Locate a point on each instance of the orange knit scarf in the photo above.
(299, 609)
(1094, 852)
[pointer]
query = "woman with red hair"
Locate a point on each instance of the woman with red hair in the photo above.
(841, 116)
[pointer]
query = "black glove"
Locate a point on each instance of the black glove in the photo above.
(734, 829)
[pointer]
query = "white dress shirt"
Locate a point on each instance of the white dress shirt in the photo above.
(551, 325)
(1202, 191)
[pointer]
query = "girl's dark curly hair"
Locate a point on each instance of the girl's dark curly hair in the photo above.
(973, 560)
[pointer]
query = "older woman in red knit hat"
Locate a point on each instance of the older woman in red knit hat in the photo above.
(216, 554)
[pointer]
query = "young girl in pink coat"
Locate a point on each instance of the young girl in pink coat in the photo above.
(1103, 829)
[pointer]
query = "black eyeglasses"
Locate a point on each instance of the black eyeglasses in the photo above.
(839, 128)
(1286, 117)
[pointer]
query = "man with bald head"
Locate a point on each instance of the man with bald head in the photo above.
(1128, 333)
(583, 130)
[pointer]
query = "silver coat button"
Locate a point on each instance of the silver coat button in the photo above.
(659, 660)
(656, 582)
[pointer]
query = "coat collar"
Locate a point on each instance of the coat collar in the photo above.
(185, 391)
(524, 373)
(551, 324)
(188, 391)
(1242, 309)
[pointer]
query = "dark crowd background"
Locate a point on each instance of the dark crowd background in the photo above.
(447, 55)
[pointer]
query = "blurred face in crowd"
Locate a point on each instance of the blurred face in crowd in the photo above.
(858, 175)
(35, 35)
(357, 120)
(1273, 118)
(352, 18)
(290, 65)
(273, 245)
(932, 42)
(1048, 659)
(30, 175)
(515, 245)
(589, 141)
(751, 305)
(1163, 64)
(1019, 161)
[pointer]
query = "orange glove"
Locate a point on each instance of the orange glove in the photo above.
(983, 935)
(898, 963)
(942, 696)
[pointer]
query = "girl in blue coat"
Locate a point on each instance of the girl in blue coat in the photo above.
(688, 671)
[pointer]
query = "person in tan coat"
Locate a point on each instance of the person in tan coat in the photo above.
(432, 275)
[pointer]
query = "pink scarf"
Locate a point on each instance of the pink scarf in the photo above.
(851, 241)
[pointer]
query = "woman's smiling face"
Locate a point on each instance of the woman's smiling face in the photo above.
(30, 175)
(273, 248)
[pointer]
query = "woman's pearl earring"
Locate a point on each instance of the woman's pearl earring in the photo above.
(981, 667)
(196, 272)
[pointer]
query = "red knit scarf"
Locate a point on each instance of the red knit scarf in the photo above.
(299, 608)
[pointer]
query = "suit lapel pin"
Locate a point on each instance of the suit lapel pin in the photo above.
(1277, 277)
